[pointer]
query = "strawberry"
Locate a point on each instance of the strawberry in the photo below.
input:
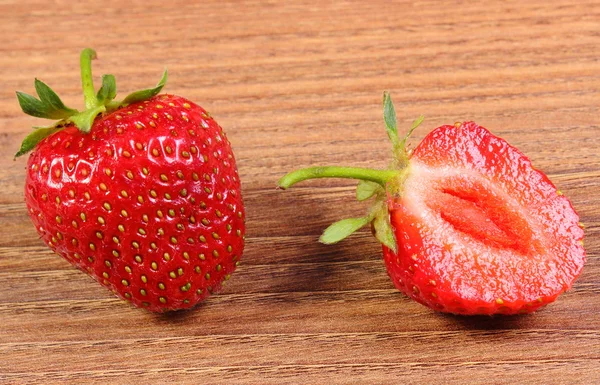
(142, 194)
(468, 226)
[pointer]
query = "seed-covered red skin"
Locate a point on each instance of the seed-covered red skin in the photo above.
(148, 203)
(479, 230)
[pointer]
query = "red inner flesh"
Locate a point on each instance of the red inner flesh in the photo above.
(474, 209)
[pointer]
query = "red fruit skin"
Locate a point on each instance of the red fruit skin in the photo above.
(148, 203)
(479, 230)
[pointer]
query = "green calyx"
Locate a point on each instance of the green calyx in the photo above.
(48, 104)
(378, 184)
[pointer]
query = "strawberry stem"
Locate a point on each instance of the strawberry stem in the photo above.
(380, 177)
(87, 82)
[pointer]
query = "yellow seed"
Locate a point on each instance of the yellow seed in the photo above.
(180, 271)
(105, 275)
(218, 267)
(205, 221)
(229, 248)
(87, 195)
(173, 240)
(145, 171)
(202, 257)
(107, 206)
(129, 175)
(162, 300)
(159, 213)
(124, 213)
(121, 228)
(167, 196)
(142, 231)
(161, 286)
(186, 255)
(58, 219)
(108, 171)
(139, 146)
(135, 245)
(499, 301)
(74, 224)
(93, 247)
(101, 220)
(124, 194)
(172, 274)
(153, 246)
(218, 214)
(145, 218)
(107, 263)
(171, 213)
(124, 282)
(144, 279)
(154, 266)
(128, 269)
(143, 292)
(140, 199)
(126, 154)
(103, 186)
(215, 253)
(115, 253)
(138, 259)
(153, 193)
(164, 178)
(207, 276)
(155, 152)
(168, 149)
(197, 269)
(202, 238)
(215, 236)
(167, 257)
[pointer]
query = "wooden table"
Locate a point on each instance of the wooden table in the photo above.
(298, 84)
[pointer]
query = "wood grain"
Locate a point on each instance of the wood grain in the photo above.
(296, 84)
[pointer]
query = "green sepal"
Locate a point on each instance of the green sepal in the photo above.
(416, 123)
(108, 90)
(85, 119)
(342, 229)
(48, 105)
(39, 134)
(366, 189)
(383, 229)
(389, 117)
(138, 96)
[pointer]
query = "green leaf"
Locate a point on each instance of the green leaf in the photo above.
(341, 229)
(85, 119)
(108, 90)
(49, 105)
(367, 189)
(384, 231)
(35, 137)
(138, 96)
(51, 99)
(416, 123)
(389, 116)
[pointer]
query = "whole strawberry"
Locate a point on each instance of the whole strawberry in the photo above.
(143, 194)
(468, 226)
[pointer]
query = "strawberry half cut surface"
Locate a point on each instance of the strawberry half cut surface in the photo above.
(143, 194)
(468, 226)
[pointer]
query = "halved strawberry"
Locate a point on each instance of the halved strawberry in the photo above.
(468, 226)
